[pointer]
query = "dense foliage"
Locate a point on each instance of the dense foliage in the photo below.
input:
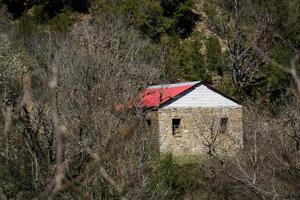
(66, 65)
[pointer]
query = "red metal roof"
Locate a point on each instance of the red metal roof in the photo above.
(156, 95)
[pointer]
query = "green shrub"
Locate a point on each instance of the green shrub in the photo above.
(62, 21)
(166, 179)
(214, 56)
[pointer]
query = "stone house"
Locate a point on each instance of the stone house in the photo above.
(193, 118)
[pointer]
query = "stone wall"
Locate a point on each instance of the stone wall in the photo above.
(199, 130)
(153, 127)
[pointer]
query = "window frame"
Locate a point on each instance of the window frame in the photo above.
(223, 126)
(149, 122)
(176, 127)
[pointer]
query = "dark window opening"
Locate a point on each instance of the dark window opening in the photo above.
(176, 127)
(223, 125)
(148, 121)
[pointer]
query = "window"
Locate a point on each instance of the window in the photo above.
(176, 127)
(148, 121)
(223, 125)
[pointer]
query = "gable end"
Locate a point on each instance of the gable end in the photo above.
(201, 95)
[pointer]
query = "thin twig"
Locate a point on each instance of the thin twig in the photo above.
(2, 196)
(7, 126)
(106, 176)
(60, 131)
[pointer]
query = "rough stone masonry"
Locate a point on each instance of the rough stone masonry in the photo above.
(198, 130)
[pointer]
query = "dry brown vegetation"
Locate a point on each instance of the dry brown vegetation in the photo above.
(62, 137)
(61, 123)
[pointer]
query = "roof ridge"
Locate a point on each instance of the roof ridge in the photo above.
(170, 85)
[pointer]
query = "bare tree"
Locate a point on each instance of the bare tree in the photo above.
(66, 113)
